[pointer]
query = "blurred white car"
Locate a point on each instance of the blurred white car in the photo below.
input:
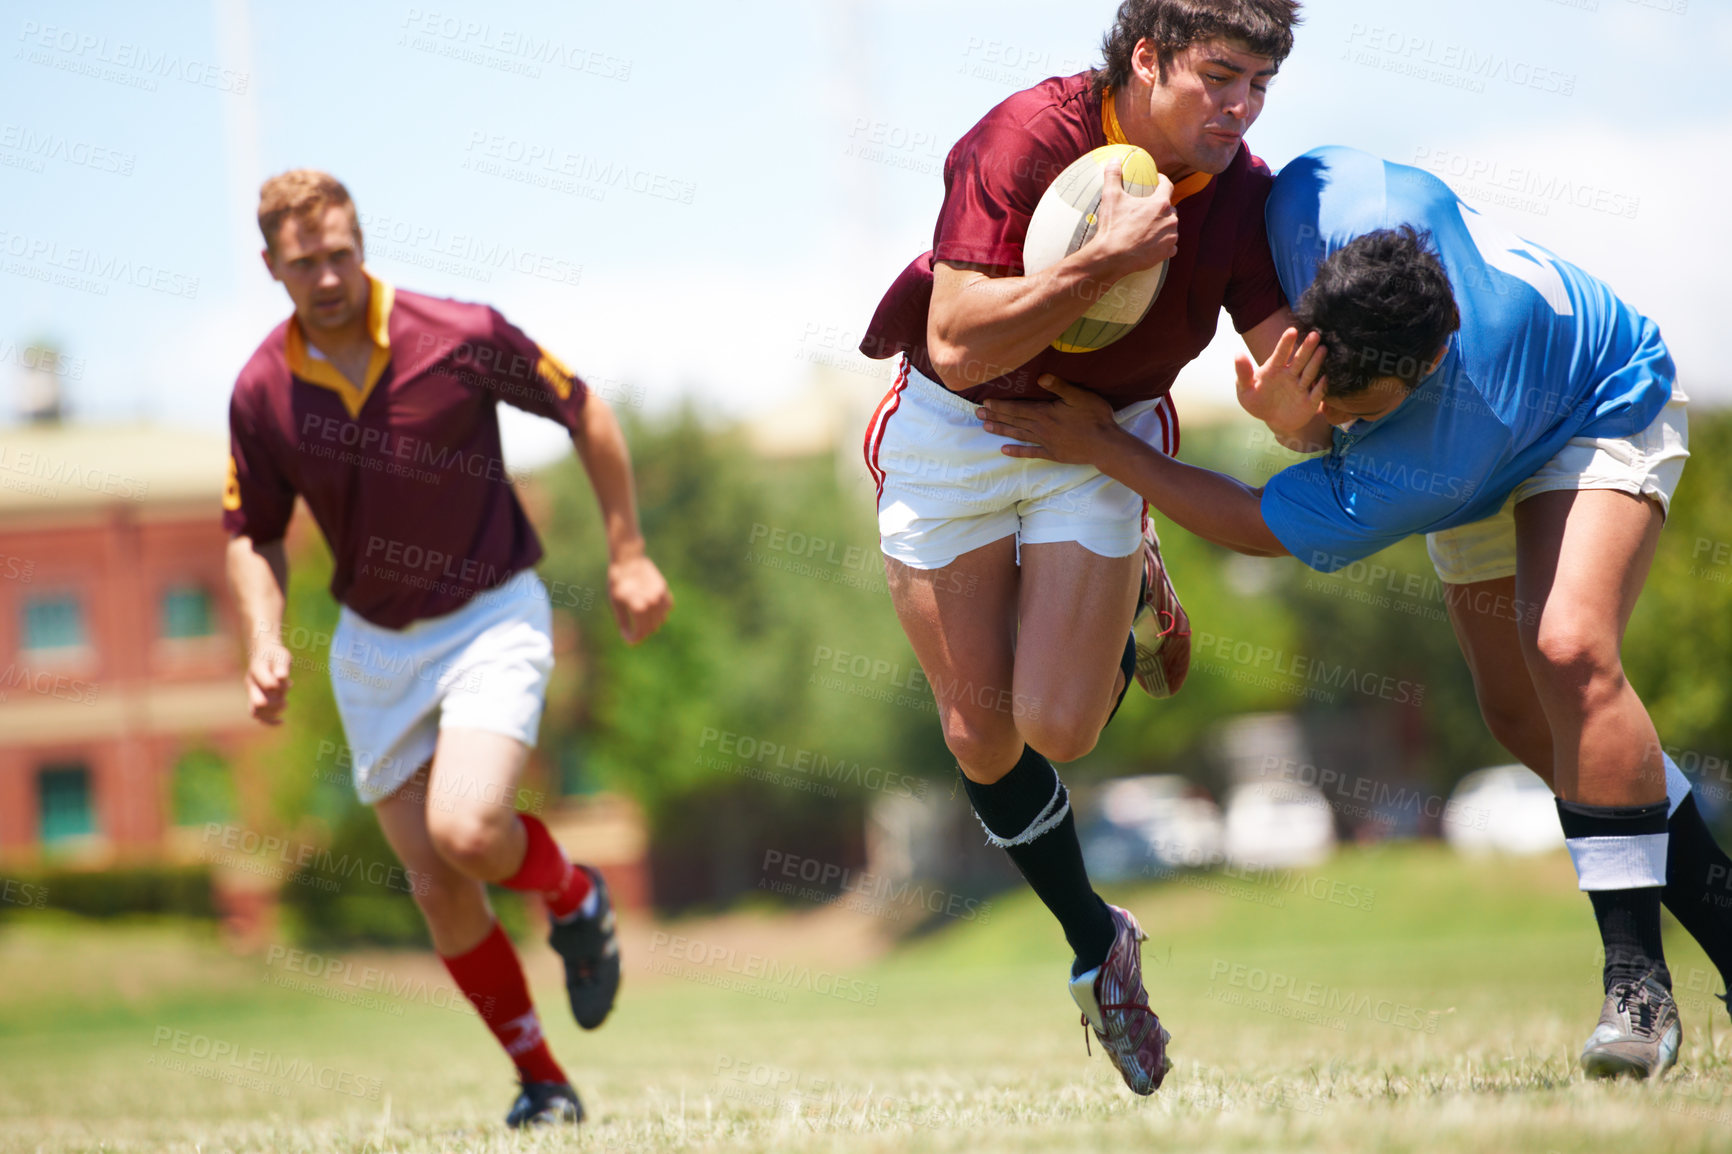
(1503, 809)
(1149, 825)
(1278, 824)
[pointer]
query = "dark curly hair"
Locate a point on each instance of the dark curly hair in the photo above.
(1383, 306)
(1263, 26)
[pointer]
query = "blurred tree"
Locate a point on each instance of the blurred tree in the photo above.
(775, 572)
(1678, 651)
(201, 789)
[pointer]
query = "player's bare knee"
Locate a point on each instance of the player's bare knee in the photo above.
(468, 840)
(1524, 733)
(1060, 734)
(985, 748)
(1574, 661)
(1509, 727)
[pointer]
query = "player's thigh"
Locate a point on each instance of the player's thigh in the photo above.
(961, 620)
(472, 791)
(494, 691)
(1074, 616)
(1486, 617)
(1587, 527)
(1582, 558)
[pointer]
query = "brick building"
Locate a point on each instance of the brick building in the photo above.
(121, 699)
(119, 660)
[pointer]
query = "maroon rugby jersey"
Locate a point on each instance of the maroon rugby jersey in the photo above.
(993, 179)
(404, 475)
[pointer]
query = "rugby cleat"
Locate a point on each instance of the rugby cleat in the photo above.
(545, 1104)
(1638, 1033)
(1161, 627)
(1116, 1007)
(590, 947)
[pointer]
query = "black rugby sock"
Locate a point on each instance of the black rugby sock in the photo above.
(1127, 666)
(1699, 884)
(1027, 811)
(1607, 844)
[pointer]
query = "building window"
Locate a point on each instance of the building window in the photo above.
(54, 622)
(187, 613)
(65, 803)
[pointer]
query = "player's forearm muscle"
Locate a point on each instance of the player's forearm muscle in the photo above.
(1212, 505)
(259, 574)
(606, 459)
(981, 326)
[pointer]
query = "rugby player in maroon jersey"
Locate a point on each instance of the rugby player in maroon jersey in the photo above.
(378, 408)
(1031, 665)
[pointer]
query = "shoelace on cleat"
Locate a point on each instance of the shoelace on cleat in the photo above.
(1644, 1013)
(1170, 624)
(1149, 1019)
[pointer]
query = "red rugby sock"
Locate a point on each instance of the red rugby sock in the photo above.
(491, 978)
(548, 872)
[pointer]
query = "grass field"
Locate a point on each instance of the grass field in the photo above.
(1398, 1000)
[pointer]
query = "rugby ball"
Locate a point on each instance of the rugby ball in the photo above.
(1063, 222)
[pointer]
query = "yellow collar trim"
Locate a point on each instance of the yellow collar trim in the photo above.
(321, 372)
(1110, 120)
(1192, 184)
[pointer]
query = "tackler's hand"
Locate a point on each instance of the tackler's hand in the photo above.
(1285, 392)
(1073, 428)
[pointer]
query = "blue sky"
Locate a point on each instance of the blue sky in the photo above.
(707, 199)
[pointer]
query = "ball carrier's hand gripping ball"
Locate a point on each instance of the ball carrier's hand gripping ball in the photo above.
(1063, 222)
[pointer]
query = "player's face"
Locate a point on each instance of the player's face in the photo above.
(1213, 93)
(1378, 399)
(319, 263)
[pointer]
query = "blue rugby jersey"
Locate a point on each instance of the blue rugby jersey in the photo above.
(1545, 353)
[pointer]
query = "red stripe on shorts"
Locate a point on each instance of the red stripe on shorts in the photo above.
(1169, 425)
(880, 419)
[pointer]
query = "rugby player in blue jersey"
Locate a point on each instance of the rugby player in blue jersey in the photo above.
(1471, 386)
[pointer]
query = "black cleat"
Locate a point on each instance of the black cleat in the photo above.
(590, 948)
(545, 1104)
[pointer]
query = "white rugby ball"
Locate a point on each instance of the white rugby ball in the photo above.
(1063, 222)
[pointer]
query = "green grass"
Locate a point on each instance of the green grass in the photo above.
(1422, 1003)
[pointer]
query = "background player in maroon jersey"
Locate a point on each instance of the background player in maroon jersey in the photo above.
(379, 409)
(1032, 664)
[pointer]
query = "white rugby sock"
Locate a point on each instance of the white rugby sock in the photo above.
(1619, 863)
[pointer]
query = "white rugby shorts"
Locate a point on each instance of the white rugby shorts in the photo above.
(483, 666)
(1648, 464)
(945, 489)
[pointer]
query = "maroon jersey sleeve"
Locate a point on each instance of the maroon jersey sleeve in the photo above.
(1254, 288)
(993, 179)
(258, 499)
(522, 373)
